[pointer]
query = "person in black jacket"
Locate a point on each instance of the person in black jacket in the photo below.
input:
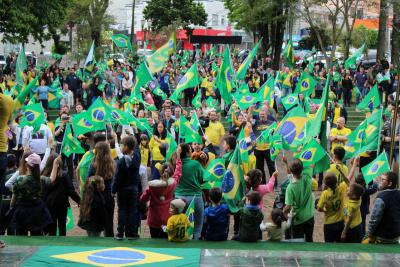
(56, 195)
(126, 184)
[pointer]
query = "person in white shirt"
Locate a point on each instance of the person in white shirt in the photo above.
(68, 97)
(38, 141)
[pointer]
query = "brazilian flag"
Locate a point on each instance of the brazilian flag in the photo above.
(33, 116)
(20, 66)
(246, 100)
(266, 91)
(371, 101)
(171, 146)
(311, 153)
(189, 80)
(233, 185)
(98, 115)
(143, 77)
(156, 61)
(196, 102)
(82, 123)
(292, 127)
(377, 167)
(351, 62)
(224, 79)
(215, 171)
(117, 116)
(306, 84)
(19, 101)
(190, 215)
(71, 145)
(288, 54)
(266, 135)
(122, 41)
(354, 140)
(242, 71)
(90, 61)
(290, 100)
(244, 152)
(187, 132)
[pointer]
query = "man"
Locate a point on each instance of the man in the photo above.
(38, 141)
(262, 149)
(168, 120)
(384, 224)
(215, 131)
(361, 80)
(68, 97)
(299, 199)
(6, 109)
(338, 135)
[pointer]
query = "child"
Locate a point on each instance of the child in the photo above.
(369, 190)
(126, 184)
(253, 182)
(352, 232)
(56, 195)
(250, 219)
(144, 159)
(277, 227)
(93, 213)
(338, 156)
(216, 218)
(331, 204)
(160, 193)
(178, 223)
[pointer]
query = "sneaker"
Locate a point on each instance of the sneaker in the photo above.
(134, 237)
(119, 236)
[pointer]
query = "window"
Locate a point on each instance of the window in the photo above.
(214, 20)
(222, 21)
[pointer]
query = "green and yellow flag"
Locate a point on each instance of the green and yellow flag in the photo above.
(82, 123)
(122, 41)
(71, 145)
(90, 60)
(377, 167)
(266, 91)
(188, 132)
(196, 102)
(215, 171)
(224, 79)
(190, 215)
(157, 61)
(288, 54)
(371, 101)
(244, 151)
(171, 146)
(306, 84)
(241, 72)
(311, 153)
(20, 67)
(33, 116)
(143, 77)
(351, 62)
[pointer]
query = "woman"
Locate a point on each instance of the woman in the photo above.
(43, 94)
(159, 135)
(127, 85)
(30, 212)
(95, 91)
(347, 85)
(104, 166)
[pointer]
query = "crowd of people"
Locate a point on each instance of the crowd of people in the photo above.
(131, 164)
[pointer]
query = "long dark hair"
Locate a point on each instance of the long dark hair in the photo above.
(91, 186)
(163, 135)
(49, 166)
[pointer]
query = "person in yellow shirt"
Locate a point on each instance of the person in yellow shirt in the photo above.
(207, 84)
(331, 203)
(338, 156)
(155, 143)
(214, 132)
(178, 223)
(352, 232)
(338, 135)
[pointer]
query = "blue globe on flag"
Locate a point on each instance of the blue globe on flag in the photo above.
(116, 257)
(30, 116)
(228, 182)
(98, 115)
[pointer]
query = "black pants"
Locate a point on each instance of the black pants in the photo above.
(304, 230)
(45, 103)
(59, 217)
(333, 231)
(354, 235)
(261, 156)
(157, 233)
(109, 221)
(189, 94)
(68, 162)
(127, 212)
(346, 97)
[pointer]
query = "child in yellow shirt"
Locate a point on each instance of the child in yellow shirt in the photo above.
(178, 223)
(352, 232)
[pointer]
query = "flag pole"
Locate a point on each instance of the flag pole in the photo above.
(394, 120)
(380, 130)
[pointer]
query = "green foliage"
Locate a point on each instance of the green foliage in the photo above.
(166, 12)
(312, 41)
(20, 19)
(363, 35)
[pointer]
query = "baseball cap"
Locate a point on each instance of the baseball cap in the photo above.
(33, 159)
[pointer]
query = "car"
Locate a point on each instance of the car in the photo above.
(2, 61)
(144, 52)
(118, 57)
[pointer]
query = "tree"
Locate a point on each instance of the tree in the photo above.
(349, 20)
(362, 35)
(262, 18)
(20, 19)
(184, 13)
(396, 34)
(383, 23)
(312, 40)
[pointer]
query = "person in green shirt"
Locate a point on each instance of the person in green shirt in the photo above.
(189, 188)
(300, 200)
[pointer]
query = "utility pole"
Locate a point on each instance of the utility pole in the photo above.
(133, 23)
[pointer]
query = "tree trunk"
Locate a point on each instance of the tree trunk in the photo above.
(396, 34)
(57, 45)
(383, 22)
(95, 34)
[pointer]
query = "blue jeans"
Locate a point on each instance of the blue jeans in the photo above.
(198, 213)
(127, 212)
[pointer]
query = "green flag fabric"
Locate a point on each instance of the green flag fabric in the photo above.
(225, 77)
(288, 54)
(375, 168)
(190, 215)
(156, 61)
(196, 102)
(171, 146)
(122, 41)
(20, 66)
(189, 80)
(241, 72)
(187, 132)
(90, 60)
(266, 91)
(33, 116)
(244, 152)
(70, 144)
(371, 101)
(351, 62)
(306, 84)
(290, 100)
(311, 153)
(143, 77)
